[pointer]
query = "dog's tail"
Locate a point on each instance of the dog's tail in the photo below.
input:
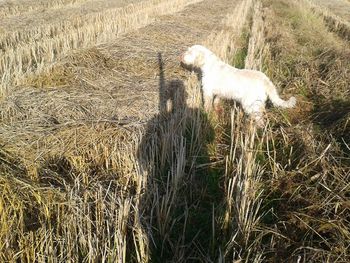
(276, 100)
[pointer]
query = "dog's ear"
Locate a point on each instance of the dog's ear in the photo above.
(199, 61)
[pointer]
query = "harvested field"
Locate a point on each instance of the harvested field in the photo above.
(108, 156)
(340, 8)
(336, 15)
(100, 101)
(31, 46)
(98, 84)
(18, 7)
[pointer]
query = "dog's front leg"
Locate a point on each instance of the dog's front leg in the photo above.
(208, 102)
(216, 104)
(208, 92)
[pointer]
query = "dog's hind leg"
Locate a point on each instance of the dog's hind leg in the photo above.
(256, 112)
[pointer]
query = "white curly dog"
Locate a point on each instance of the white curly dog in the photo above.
(250, 88)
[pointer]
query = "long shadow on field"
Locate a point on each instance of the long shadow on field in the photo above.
(179, 198)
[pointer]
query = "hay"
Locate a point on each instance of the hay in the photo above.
(15, 8)
(32, 49)
(336, 15)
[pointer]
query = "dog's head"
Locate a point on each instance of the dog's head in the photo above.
(195, 56)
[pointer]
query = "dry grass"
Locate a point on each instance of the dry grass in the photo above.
(22, 56)
(338, 7)
(301, 214)
(108, 155)
(124, 164)
(15, 7)
(287, 185)
(338, 23)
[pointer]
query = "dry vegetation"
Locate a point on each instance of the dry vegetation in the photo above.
(32, 49)
(338, 7)
(336, 15)
(19, 7)
(107, 155)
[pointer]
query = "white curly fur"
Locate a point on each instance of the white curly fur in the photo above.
(250, 88)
